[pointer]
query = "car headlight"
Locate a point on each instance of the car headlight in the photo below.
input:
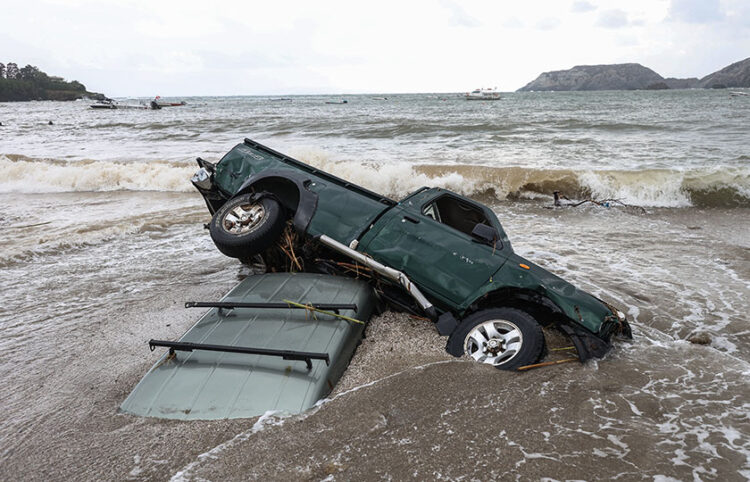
(202, 179)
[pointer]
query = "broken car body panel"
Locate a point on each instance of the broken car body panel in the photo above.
(431, 236)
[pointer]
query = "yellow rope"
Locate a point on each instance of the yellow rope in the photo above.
(546, 364)
(313, 309)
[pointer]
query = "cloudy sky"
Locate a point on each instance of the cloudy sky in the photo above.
(228, 47)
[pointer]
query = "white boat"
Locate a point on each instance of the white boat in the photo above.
(483, 94)
(117, 105)
(111, 104)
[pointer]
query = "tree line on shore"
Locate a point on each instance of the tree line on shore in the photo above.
(30, 83)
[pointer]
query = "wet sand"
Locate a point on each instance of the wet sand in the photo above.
(63, 422)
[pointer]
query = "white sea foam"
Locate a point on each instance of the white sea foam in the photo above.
(650, 187)
(391, 179)
(668, 187)
(662, 188)
(38, 176)
(653, 187)
(275, 418)
(270, 418)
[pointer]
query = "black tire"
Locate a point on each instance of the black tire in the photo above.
(244, 227)
(500, 349)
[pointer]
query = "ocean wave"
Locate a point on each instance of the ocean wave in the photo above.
(714, 187)
(720, 187)
(585, 124)
(707, 187)
(26, 175)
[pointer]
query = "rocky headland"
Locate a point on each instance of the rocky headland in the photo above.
(635, 77)
(735, 75)
(30, 83)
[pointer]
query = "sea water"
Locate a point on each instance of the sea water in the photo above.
(103, 241)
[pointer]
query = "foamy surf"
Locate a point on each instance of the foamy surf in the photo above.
(25, 175)
(708, 187)
(720, 186)
(270, 418)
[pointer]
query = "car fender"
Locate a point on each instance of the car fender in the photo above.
(290, 188)
(586, 319)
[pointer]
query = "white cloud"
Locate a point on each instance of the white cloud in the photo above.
(612, 19)
(696, 11)
(459, 15)
(547, 23)
(582, 6)
(140, 47)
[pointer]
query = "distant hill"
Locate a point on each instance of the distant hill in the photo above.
(633, 77)
(596, 77)
(30, 83)
(689, 83)
(735, 75)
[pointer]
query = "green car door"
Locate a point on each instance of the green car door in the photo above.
(429, 240)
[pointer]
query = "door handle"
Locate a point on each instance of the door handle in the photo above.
(411, 219)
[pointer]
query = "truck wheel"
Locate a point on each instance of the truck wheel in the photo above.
(244, 227)
(505, 338)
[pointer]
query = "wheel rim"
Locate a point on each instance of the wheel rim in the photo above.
(243, 218)
(494, 342)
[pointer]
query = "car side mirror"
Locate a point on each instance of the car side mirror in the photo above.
(485, 234)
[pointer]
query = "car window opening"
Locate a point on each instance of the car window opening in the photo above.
(456, 214)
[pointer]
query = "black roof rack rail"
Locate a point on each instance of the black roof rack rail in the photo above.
(307, 357)
(228, 305)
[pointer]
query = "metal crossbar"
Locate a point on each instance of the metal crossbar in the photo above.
(285, 354)
(335, 307)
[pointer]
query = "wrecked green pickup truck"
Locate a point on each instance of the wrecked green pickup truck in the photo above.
(434, 253)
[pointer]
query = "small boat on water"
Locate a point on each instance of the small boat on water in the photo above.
(483, 94)
(104, 105)
(155, 104)
(164, 103)
(116, 105)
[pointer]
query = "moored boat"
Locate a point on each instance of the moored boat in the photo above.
(104, 105)
(116, 105)
(164, 103)
(483, 94)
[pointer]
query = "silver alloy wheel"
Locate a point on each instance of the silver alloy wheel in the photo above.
(243, 218)
(494, 342)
